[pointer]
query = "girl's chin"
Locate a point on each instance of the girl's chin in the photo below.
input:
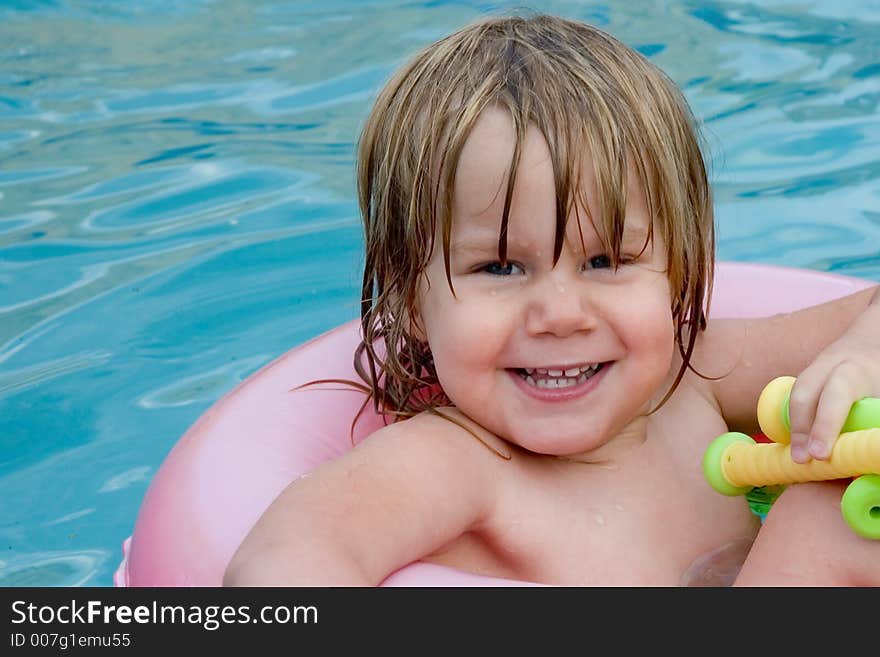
(561, 444)
(567, 438)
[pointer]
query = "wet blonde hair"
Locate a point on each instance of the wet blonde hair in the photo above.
(587, 93)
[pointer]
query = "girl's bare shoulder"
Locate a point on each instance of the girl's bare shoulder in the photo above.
(443, 436)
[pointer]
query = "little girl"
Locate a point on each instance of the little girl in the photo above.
(539, 256)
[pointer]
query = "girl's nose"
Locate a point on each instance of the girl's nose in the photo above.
(560, 308)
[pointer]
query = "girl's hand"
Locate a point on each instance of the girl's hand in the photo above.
(844, 372)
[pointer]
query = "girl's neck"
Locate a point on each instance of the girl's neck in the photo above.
(628, 440)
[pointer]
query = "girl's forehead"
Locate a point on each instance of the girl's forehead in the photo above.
(483, 173)
(481, 182)
(484, 164)
(485, 159)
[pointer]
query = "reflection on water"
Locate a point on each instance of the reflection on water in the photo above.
(177, 206)
(53, 569)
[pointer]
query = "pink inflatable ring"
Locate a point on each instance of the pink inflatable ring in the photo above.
(230, 465)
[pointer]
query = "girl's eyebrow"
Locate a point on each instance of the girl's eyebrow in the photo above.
(476, 239)
(474, 246)
(481, 241)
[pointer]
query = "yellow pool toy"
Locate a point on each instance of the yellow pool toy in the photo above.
(735, 464)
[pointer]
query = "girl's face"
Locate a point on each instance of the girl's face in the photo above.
(557, 359)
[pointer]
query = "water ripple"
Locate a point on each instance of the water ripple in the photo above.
(18, 379)
(31, 175)
(12, 137)
(122, 184)
(357, 85)
(203, 387)
(262, 55)
(68, 568)
(27, 220)
(215, 188)
(125, 479)
(174, 99)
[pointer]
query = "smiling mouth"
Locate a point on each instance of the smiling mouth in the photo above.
(553, 379)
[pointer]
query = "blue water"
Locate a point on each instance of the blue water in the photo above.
(177, 205)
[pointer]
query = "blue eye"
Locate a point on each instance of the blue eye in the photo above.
(600, 262)
(497, 269)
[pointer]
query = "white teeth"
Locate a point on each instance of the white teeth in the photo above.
(559, 378)
(557, 383)
(572, 371)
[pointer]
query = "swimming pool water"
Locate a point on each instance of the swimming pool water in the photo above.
(177, 205)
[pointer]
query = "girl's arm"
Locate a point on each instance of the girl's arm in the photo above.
(833, 349)
(401, 494)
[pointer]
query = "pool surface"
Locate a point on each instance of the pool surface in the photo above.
(177, 206)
